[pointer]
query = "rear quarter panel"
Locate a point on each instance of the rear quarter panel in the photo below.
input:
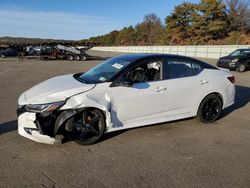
(218, 83)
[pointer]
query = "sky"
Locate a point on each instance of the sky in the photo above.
(76, 19)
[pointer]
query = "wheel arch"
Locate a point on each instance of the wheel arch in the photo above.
(66, 114)
(215, 93)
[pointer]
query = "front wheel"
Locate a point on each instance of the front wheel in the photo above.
(86, 127)
(210, 109)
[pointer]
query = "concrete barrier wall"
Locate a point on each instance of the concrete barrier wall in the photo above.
(208, 51)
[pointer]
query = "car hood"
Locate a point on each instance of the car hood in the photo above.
(54, 90)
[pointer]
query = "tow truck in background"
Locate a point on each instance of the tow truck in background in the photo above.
(46, 49)
(65, 52)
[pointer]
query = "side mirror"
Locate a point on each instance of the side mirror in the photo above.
(124, 82)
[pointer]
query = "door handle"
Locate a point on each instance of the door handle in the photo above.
(203, 82)
(160, 88)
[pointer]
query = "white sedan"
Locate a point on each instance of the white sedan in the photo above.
(124, 92)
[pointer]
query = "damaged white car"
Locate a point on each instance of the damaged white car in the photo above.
(124, 92)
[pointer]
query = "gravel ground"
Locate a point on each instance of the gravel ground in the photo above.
(183, 153)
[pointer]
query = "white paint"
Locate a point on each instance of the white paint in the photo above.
(53, 90)
(26, 120)
(127, 107)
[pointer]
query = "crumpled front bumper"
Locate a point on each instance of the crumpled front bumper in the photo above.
(28, 128)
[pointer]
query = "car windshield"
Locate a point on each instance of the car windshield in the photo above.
(104, 71)
(240, 53)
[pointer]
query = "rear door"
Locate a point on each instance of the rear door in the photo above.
(185, 81)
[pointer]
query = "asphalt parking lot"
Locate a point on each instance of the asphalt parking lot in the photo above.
(183, 153)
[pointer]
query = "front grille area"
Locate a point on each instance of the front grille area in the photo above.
(225, 60)
(45, 123)
(224, 63)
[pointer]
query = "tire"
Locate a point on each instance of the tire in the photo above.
(210, 109)
(84, 58)
(89, 132)
(70, 57)
(241, 68)
(77, 58)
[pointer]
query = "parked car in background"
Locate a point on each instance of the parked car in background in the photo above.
(1, 51)
(124, 92)
(33, 50)
(238, 60)
(9, 52)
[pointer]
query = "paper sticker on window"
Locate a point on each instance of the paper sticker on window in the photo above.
(117, 66)
(102, 79)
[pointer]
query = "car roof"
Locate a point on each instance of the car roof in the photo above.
(140, 56)
(243, 49)
(133, 58)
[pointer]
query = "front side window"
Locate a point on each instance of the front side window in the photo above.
(178, 68)
(240, 53)
(147, 71)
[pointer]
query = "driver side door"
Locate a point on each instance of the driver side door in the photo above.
(142, 103)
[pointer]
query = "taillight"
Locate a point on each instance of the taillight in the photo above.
(231, 79)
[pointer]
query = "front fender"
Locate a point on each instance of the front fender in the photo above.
(65, 115)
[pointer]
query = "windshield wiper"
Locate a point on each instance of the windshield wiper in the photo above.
(82, 80)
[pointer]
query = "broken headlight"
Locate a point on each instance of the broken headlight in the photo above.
(42, 108)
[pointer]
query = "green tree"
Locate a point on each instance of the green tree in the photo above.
(210, 23)
(126, 36)
(179, 24)
(111, 37)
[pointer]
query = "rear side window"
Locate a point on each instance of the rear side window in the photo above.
(178, 68)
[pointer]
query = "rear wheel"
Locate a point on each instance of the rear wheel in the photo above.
(241, 67)
(210, 109)
(86, 127)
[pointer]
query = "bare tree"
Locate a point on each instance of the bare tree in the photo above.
(150, 31)
(152, 18)
(238, 14)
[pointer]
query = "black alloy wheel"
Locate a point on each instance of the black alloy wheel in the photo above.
(210, 109)
(86, 127)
